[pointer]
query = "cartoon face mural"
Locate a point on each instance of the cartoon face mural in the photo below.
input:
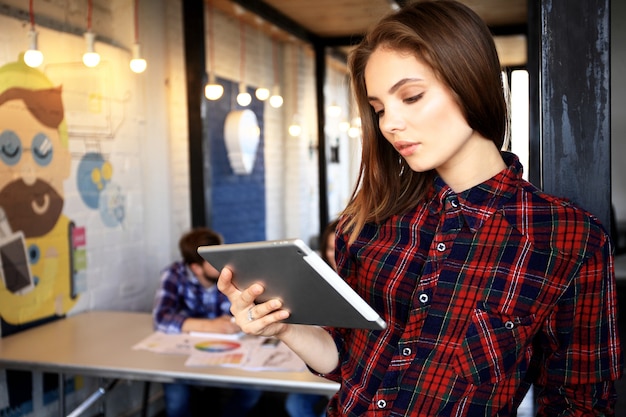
(34, 161)
(35, 237)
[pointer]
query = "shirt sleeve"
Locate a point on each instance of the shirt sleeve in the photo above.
(167, 316)
(584, 355)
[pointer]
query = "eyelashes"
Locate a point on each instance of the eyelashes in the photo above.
(410, 100)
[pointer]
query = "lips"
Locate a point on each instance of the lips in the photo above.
(406, 148)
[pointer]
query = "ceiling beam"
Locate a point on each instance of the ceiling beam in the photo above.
(282, 21)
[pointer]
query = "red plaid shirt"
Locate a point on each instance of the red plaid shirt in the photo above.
(485, 292)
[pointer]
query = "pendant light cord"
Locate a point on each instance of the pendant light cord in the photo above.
(136, 21)
(211, 45)
(89, 10)
(242, 47)
(31, 14)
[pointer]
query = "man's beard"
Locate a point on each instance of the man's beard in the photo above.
(33, 209)
(211, 279)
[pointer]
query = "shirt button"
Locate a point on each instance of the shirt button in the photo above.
(509, 325)
(423, 298)
(454, 203)
(406, 351)
(381, 403)
(441, 246)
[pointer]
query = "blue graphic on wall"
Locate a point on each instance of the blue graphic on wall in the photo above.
(237, 195)
(98, 191)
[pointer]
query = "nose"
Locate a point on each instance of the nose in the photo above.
(391, 122)
(28, 173)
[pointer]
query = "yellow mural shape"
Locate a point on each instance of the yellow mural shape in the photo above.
(34, 163)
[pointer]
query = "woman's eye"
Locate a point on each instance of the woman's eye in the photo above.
(413, 99)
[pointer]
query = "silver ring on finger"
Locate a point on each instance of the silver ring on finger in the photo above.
(250, 318)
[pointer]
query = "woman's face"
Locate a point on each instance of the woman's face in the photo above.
(417, 113)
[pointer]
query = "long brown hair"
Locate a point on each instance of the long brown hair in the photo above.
(457, 45)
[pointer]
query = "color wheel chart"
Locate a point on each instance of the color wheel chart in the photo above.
(220, 352)
(217, 346)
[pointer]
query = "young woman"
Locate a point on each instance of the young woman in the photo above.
(487, 284)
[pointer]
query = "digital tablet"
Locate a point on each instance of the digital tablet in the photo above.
(291, 271)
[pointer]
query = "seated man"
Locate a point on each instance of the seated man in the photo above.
(188, 300)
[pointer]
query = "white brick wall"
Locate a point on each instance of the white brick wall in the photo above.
(148, 146)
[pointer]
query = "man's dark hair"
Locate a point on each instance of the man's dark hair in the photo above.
(190, 241)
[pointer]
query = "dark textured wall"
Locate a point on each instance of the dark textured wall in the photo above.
(237, 202)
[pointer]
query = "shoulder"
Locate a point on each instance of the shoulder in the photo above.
(554, 223)
(176, 272)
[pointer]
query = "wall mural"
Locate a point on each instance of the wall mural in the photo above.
(43, 260)
(98, 191)
(37, 238)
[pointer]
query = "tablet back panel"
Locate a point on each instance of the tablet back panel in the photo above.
(291, 271)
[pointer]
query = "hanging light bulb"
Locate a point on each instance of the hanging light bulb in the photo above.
(137, 64)
(355, 129)
(262, 93)
(276, 100)
(354, 132)
(243, 98)
(213, 90)
(90, 58)
(33, 56)
(295, 129)
(334, 110)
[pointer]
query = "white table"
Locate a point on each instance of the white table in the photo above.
(99, 344)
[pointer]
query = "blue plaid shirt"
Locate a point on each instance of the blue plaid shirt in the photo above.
(181, 296)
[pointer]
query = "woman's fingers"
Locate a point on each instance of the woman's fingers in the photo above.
(244, 298)
(264, 323)
(225, 285)
(260, 319)
(250, 294)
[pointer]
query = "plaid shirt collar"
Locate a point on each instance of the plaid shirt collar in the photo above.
(479, 203)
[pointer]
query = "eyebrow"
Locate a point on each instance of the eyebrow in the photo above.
(396, 86)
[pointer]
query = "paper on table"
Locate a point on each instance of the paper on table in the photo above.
(251, 355)
(276, 357)
(179, 343)
(246, 352)
(160, 342)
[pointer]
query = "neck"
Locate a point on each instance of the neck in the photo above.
(477, 163)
